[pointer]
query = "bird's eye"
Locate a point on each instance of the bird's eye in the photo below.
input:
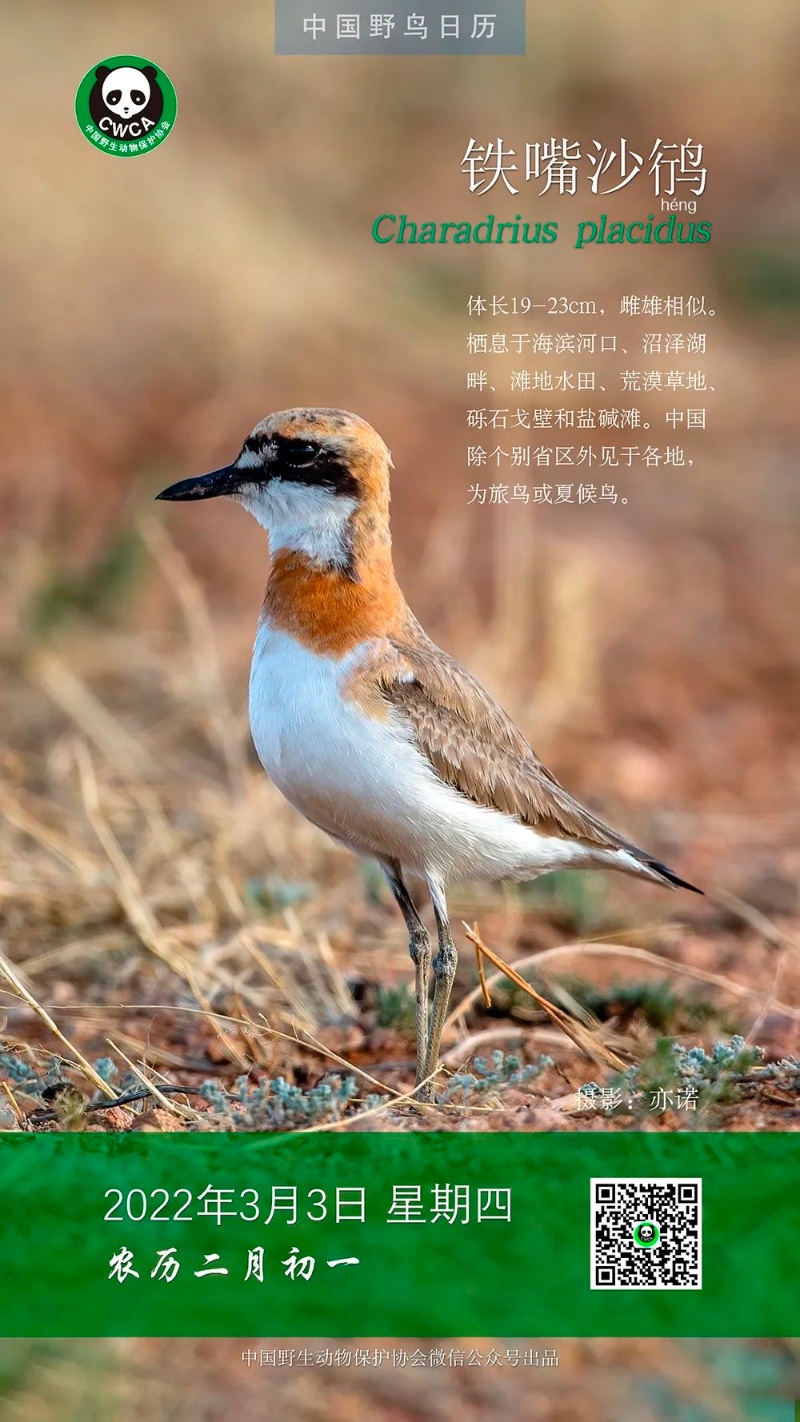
(300, 453)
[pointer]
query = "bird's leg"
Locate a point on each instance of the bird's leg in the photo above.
(444, 971)
(419, 945)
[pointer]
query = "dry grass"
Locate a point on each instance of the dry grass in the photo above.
(165, 905)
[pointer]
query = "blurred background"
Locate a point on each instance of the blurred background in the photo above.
(650, 1380)
(154, 311)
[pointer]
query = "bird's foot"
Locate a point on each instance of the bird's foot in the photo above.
(424, 1094)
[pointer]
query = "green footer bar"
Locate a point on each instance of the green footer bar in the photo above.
(445, 1235)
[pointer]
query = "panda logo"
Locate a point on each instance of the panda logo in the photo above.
(126, 102)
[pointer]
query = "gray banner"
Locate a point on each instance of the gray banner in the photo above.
(359, 27)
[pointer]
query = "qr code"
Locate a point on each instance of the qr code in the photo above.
(647, 1233)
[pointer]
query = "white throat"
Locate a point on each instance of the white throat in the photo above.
(302, 518)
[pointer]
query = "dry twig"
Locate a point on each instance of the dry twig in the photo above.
(586, 1040)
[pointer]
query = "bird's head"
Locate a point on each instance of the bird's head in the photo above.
(317, 480)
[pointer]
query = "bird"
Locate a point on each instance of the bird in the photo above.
(367, 727)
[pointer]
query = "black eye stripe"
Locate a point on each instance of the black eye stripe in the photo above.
(295, 460)
(327, 468)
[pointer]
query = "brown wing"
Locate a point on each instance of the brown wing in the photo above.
(475, 747)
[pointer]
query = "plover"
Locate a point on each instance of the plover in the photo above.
(366, 726)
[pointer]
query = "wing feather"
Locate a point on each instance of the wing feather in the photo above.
(474, 746)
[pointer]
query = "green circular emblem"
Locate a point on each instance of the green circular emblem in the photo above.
(646, 1234)
(126, 106)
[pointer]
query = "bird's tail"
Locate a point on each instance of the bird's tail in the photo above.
(643, 866)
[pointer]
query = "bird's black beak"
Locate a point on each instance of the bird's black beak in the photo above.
(207, 486)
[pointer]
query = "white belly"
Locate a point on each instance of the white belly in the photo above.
(364, 781)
